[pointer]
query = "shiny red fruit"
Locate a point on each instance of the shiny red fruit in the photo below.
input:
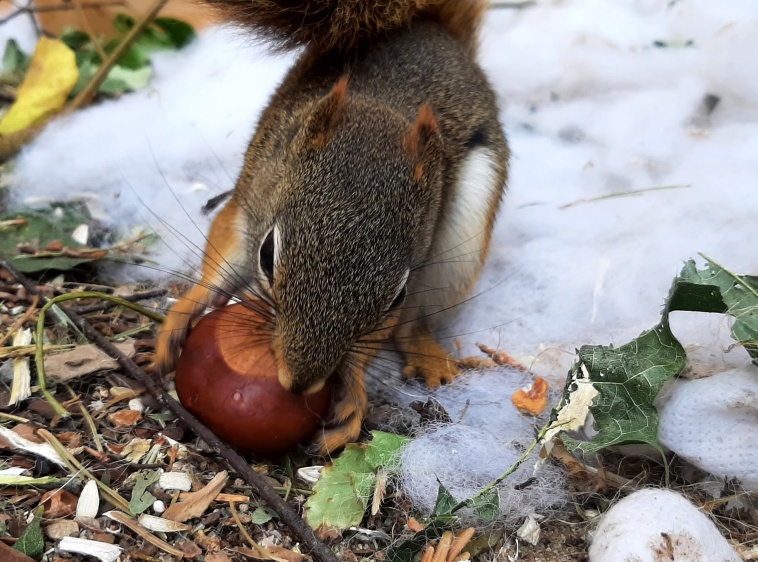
(227, 377)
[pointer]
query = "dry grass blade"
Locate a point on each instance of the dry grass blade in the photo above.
(20, 322)
(76, 467)
(260, 549)
(132, 523)
(196, 503)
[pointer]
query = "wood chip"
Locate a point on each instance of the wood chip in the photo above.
(414, 525)
(195, 504)
(100, 550)
(161, 525)
(83, 360)
(175, 481)
(21, 388)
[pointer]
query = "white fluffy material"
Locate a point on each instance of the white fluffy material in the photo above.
(652, 525)
(466, 459)
(713, 423)
(487, 437)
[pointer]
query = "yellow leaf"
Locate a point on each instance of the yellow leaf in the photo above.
(52, 75)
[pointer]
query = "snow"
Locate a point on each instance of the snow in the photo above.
(599, 99)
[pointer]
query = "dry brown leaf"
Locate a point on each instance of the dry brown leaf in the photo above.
(278, 551)
(531, 400)
(83, 360)
(58, 503)
(217, 557)
(195, 504)
(125, 418)
(190, 549)
(29, 432)
(7, 554)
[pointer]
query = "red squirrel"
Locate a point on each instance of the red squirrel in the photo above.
(367, 198)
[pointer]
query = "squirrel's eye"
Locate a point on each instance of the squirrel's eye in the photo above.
(267, 256)
(400, 298)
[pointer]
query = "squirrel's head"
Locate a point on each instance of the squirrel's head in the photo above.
(356, 197)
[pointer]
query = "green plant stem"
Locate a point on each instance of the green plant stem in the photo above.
(39, 356)
(540, 437)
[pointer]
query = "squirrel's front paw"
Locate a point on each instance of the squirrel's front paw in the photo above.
(435, 369)
(342, 427)
(171, 337)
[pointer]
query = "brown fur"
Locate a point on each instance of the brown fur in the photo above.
(344, 25)
(363, 182)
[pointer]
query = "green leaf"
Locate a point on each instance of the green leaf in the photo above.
(31, 542)
(75, 40)
(121, 80)
(15, 64)
(486, 505)
(629, 378)
(717, 289)
(382, 451)
(142, 499)
(445, 502)
(261, 516)
(179, 33)
(341, 495)
(43, 226)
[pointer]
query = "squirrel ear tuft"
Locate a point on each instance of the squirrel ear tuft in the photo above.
(324, 119)
(422, 139)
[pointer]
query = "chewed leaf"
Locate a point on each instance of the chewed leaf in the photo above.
(628, 378)
(51, 77)
(342, 493)
(717, 289)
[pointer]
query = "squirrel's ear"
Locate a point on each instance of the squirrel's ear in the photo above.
(323, 121)
(422, 140)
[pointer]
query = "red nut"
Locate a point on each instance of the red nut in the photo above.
(227, 377)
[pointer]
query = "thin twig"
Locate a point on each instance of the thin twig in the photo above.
(257, 482)
(60, 8)
(89, 91)
(622, 194)
(103, 306)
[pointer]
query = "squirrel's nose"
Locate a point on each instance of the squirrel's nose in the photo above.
(295, 384)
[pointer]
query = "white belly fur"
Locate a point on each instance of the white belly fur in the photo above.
(457, 254)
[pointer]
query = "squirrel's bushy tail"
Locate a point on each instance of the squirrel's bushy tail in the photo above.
(345, 24)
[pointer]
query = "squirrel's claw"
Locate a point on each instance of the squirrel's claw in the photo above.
(427, 359)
